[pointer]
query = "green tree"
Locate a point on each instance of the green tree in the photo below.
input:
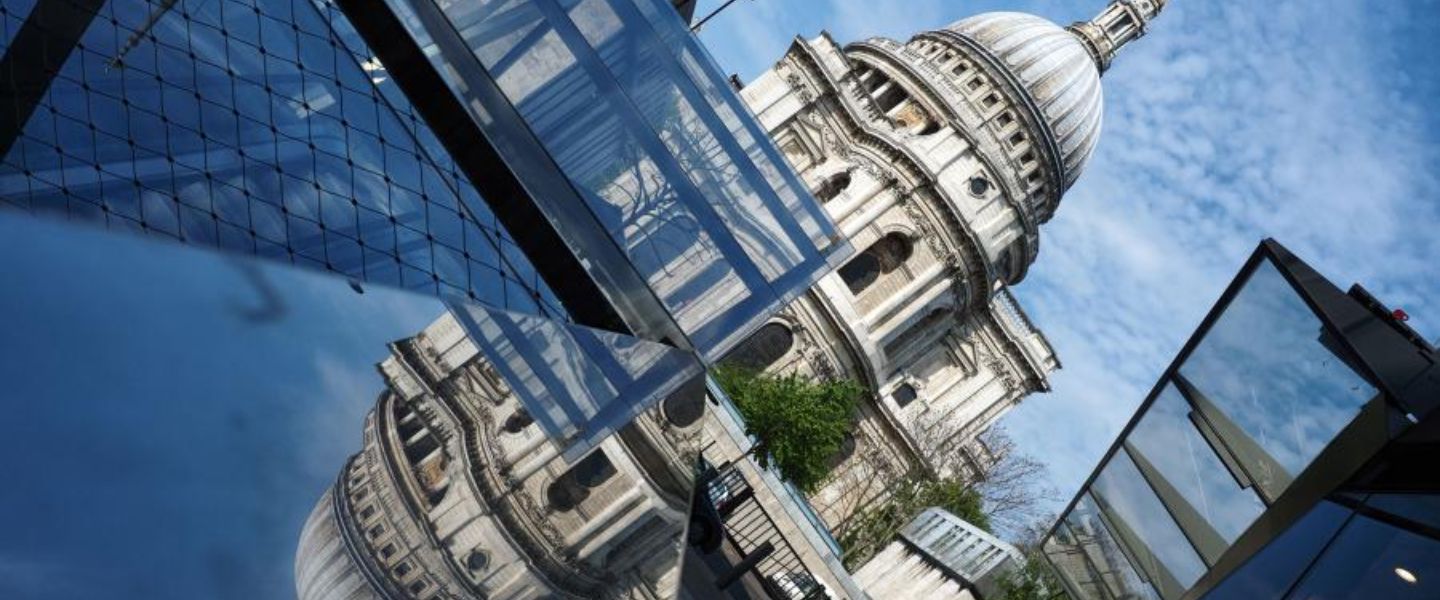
(1034, 580)
(799, 423)
(877, 526)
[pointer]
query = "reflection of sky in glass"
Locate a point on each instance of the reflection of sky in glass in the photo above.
(241, 124)
(1274, 568)
(1095, 538)
(1263, 364)
(685, 185)
(173, 415)
(1361, 564)
(1124, 492)
(1168, 439)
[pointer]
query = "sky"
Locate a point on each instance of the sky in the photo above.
(200, 404)
(184, 404)
(1228, 123)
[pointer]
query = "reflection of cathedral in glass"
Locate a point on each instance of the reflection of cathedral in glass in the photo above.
(458, 492)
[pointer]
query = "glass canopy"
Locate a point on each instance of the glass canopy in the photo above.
(639, 143)
(1262, 389)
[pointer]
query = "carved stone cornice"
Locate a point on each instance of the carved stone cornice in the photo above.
(888, 53)
(904, 165)
(522, 517)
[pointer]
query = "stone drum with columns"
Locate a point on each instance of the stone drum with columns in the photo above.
(939, 158)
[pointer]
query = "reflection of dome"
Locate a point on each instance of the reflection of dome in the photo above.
(1053, 67)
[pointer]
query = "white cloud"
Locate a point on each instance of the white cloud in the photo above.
(1229, 123)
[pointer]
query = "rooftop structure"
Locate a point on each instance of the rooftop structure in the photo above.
(939, 555)
(1278, 456)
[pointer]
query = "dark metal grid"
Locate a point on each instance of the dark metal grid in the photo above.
(252, 126)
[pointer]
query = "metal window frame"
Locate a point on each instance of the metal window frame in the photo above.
(510, 195)
(36, 54)
(1404, 373)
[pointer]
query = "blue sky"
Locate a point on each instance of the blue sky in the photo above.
(1231, 121)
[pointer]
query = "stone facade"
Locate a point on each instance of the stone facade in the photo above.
(457, 493)
(939, 158)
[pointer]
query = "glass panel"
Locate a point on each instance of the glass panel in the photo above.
(1143, 525)
(711, 81)
(1275, 568)
(1107, 569)
(1167, 438)
(1370, 559)
(182, 424)
(1418, 507)
(660, 161)
(237, 124)
(1265, 366)
(1069, 562)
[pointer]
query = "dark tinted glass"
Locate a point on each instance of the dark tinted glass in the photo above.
(1371, 559)
(1275, 568)
(185, 424)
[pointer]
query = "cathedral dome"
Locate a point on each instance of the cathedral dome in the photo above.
(1056, 71)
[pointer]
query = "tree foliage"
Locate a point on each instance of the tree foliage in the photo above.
(1013, 484)
(1035, 579)
(799, 423)
(1004, 496)
(877, 526)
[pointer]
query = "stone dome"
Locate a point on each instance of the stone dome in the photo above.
(1056, 71)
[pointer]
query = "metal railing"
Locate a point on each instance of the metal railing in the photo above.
(751, 529)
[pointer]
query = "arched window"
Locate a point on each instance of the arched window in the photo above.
(904, 395)
(517, 421)
(685, 406)
(832, 187)
(767, 345)
(573, 486)
(593, 470)
(881, 257)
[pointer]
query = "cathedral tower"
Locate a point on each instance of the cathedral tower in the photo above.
(939, 158)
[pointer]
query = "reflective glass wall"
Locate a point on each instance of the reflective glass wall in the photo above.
(1264, 386)
(262, 127)
(186, 424)
(1383, 545)
(660, 156)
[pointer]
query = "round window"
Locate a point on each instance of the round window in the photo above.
(978, 186)
(477, 561)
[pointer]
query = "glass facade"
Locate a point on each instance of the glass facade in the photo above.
(271, 128)
(185, 411)
(244, 429)
(1364, 550)
(659, 153)
(1265, 386)
(258, 127)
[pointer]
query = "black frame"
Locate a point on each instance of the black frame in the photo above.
(633, 309)
(1403, 371)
